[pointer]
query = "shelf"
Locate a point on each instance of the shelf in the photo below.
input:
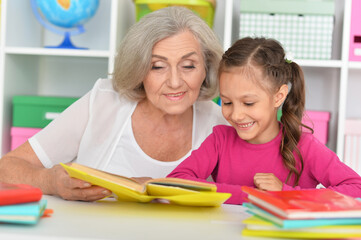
(319, 63)
(57, 52)
(354, 65)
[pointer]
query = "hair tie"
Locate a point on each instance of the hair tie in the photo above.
(289, 57)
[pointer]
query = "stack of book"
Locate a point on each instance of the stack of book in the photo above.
(304, 214)
(20, 204)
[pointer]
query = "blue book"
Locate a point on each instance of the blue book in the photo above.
(26, 213)
(299, 223)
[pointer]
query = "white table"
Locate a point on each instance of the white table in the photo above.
(122, 220)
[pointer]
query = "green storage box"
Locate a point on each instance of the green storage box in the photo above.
(304, 27)
(38, 111)
(306, 7)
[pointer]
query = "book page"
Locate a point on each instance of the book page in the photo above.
(184, 183)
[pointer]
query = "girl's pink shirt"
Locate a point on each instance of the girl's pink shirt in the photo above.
(233, 162)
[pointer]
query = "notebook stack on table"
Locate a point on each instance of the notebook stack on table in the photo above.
(21, 204)
(303, 214)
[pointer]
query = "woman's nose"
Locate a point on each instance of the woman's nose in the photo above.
(174, 79)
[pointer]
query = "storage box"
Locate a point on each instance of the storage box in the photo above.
(352, 147)
(355, 31)
(303, 27)
(38, 111)
(21, 135)
(204, 8)
(317, 120)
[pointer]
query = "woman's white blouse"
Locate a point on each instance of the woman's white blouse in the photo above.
(96, 131)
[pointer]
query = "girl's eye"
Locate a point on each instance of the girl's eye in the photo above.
(249, 103)
(227, 103)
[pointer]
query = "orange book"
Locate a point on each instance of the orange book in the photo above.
(18, 193)
(305, 204)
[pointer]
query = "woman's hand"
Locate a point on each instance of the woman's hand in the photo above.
(61, 184)
(267, 181)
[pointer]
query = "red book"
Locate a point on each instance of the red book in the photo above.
(305, 204)
(18, 193)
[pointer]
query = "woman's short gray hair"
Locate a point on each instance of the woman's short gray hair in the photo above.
(134, 56)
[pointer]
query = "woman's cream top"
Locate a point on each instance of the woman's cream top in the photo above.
(96, 131)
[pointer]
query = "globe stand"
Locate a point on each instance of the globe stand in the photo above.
(67, 34)
(66, 43)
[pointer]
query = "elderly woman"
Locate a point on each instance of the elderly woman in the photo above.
(143, 122)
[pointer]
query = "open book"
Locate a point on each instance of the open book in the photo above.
(175, 190)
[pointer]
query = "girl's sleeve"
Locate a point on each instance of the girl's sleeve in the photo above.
(59, 141)
(328, 170)
(203, 163)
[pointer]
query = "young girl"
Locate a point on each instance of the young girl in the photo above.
(257, 150)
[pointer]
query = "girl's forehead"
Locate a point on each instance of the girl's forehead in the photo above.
(249, 73)
(245, 72)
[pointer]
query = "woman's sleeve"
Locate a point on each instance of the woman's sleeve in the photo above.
(203, 163)
(59, 141)
(328, 170)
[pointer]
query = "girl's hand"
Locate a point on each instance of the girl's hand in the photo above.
(61, 184)
(267, 181)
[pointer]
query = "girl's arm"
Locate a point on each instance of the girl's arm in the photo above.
(326, 168)
(204, 162)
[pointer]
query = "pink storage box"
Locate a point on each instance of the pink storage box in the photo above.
(355, 31)
(319, 122)
(20, 135)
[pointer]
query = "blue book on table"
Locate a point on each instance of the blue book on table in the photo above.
(26, 213)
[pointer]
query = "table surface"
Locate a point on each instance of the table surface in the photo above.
(127, 220)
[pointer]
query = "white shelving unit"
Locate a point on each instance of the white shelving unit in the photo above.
(26, 67)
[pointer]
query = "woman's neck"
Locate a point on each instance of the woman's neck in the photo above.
(156, 117)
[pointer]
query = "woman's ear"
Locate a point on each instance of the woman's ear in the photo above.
(280, 95)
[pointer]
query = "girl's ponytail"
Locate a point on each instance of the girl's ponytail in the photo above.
(292, 112)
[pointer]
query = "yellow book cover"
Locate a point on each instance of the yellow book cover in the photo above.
(258, 227)
(174, 190)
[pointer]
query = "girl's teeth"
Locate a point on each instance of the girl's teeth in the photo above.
(246, 125)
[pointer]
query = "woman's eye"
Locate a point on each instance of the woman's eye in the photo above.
(249, 103)
(156, 67)
(189, 66)
(227, 103)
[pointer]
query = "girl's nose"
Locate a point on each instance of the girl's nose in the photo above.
(238, 114)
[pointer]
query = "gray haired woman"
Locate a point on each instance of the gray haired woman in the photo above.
(143, 122)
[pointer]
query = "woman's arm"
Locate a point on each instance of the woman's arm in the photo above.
(23, 166)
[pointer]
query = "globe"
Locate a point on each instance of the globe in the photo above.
(64, 14)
